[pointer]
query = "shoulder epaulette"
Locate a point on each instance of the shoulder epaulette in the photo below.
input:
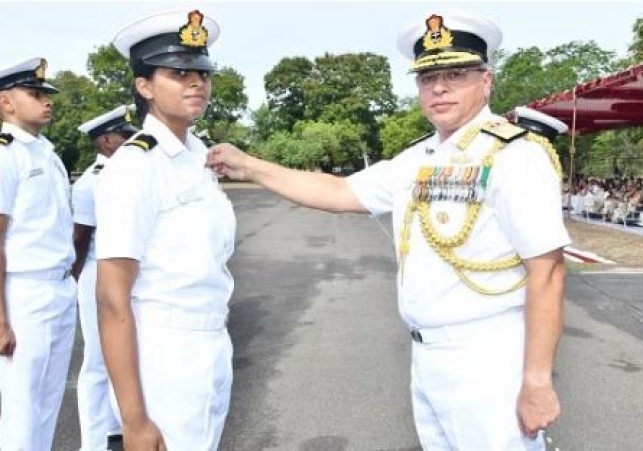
(142, 141)
(420, 139)
(98, 168)
(6, 139)
(504, 131)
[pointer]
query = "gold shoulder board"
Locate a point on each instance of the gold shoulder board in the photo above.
(6, 139)
(504, 131)
(142, 141)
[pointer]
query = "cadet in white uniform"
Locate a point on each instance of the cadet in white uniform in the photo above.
(99, 425)
(37, 296)
(166, 231)
(481, 269)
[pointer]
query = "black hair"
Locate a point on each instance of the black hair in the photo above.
(142, 107)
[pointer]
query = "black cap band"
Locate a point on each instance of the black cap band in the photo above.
(26, 78)
(462, 42)
(118, 125)
(153, 51)
(538, 127)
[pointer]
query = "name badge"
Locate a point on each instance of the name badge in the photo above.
(35, 172)
(193, 194)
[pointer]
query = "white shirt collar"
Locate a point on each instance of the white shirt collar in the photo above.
(23, 136)
(167, 140)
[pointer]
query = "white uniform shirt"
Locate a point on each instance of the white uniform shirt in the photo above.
(35, 194)
(82, 199)
(165, 209)
(521, 214)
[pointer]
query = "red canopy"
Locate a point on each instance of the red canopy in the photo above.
(615, 101)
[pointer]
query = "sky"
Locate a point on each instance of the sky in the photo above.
(256, 35)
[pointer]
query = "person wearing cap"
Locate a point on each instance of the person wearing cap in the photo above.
(539, 123)
(99, 425)
(166, 231)
(37, 296)
(481, 271)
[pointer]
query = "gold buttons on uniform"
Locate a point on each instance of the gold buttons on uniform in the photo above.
(442, 217)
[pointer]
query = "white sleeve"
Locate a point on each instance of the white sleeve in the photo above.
(82, 200)
(126, 205)
(8, 182)
(374, 188)
(529, 201)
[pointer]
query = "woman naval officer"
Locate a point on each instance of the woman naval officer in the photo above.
(166, 232)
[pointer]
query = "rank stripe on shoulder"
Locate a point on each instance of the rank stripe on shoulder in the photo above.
(6, 139)
(142, 141)
(504, 131)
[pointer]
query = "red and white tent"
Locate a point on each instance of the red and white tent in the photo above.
(615, 101)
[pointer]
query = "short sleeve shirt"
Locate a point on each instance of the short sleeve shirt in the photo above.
(521, 213)
(163, 208)
(83, 198)
(35, 194)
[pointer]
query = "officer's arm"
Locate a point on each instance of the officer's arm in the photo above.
(310, 189)
(82, 238)
(543, 314)
(7, 337)
(538, 404)
(118, 335)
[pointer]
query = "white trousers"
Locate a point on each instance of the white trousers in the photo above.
(465, 384)
(95, 414)
(42, 314)
(186, 377)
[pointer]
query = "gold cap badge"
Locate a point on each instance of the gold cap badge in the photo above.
(437, 35)
(193, 34)
(40, 70)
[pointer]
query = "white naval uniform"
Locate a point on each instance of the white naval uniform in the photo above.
(163, 208)
(41, 299)
(96, 416)
(465, 383)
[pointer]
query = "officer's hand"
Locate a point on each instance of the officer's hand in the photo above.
(538, 407)
(226, 160)
(143, 435)
(7, 340)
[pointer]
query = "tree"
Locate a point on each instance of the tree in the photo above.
(350, 87)
(74, 105)
(635, 50)
(615, 151)
(398, 130)
(112, 75)
(530, 74)
(331, 145)
(285, 85)
(228, 101)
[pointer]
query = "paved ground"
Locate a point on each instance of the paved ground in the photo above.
(321, 358)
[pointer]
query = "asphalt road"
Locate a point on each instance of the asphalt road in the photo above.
(321, 358)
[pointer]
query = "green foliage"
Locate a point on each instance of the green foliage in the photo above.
(398, 130)
(228, 102)
(72, 106)
(313, 145)
(635, 51)
(530, 74)
(112, 75)
(615, 152)
(335, 88)
(285, 89)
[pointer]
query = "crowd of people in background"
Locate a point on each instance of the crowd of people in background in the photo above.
(613, 199)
